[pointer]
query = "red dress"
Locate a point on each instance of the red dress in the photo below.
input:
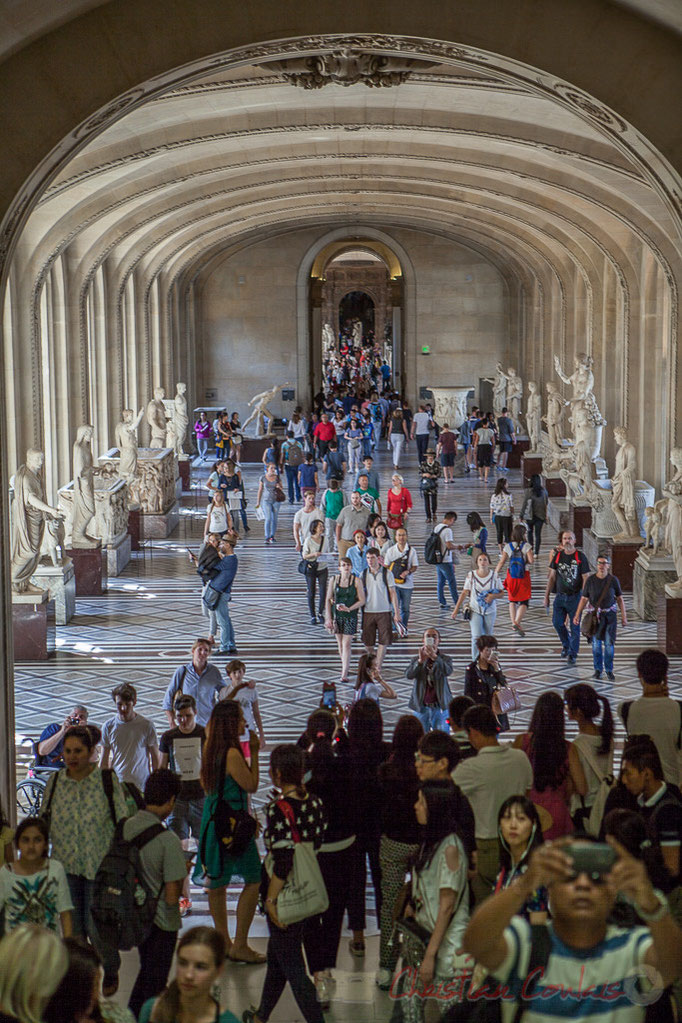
(517, 589)
(397, 505)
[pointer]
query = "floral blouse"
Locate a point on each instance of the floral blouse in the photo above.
(538, 902)
(81, 827)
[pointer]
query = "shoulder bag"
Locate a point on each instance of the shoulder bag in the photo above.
(234, 829)
(304, 893)
(590, 621)
(210, 597)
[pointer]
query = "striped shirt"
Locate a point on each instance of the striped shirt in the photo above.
(596, 985)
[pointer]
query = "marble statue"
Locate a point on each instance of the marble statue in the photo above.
(576, 466)
(54, 542)
(357, 333)
(623, 487)
(555, 412)
(261, 410)
(672, 491)
(328, 340)
(180, 421)
(582, 382)
(655, 517)
(156, 417)
(84, 473)
(514, 397)
(534, 415)
(126, 442)
(29, 512)
(499, 382)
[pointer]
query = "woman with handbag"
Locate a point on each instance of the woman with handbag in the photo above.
(602, 594)
(233, 488)
(398, 503)
(270, 496)
(315, 573)
(294, 819)
(438, 912)
(481, 589)
(226, 779)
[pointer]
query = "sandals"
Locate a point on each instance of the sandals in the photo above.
(255, 959)
(357, 948)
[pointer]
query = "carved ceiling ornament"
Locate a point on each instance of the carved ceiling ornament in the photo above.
(347, 66)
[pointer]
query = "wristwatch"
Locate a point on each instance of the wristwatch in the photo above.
(658, 913)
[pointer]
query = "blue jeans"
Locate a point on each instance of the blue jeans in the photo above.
(292, 482)
(422, 440)
(366, 447)
(271, 511)
(404, 597)
(566, 604)
(603, 649)
(222, 612)
(81, 890)
(482, 625)
(446, 574)
(433, 719)
(202, 444)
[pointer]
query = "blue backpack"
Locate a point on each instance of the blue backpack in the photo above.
(517, 563)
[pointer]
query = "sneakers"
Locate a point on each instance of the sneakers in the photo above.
(520, 630)
(596, 674)
(564, 653)
(610, 676)
(185, 907)
(313, 620)
(357, 948)
(383, 979)
(572, 660)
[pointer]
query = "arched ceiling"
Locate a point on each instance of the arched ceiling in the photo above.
(534, 181)
(335, 249)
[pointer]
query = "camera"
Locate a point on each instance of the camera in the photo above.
(594, 858)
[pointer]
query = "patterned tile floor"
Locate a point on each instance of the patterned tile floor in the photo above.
(145, 623)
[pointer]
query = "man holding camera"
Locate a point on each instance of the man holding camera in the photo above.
(51, 741)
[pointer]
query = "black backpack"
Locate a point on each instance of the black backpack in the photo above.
(433, 549)
(123, 905)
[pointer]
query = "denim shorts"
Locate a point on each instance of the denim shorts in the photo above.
(185, 820)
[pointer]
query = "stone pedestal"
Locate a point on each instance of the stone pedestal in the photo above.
(582, 520)
(154, 490)
(516, 453)
(118, 555)
(622, 555)
(554, 485)
(158, 527)
(669, 618)
(531, 465)
(649, 578)
(253, 448)
(134, 528)
(33, 638)
(560, 513)
(60, 583)
(91, 571)
(183, 468)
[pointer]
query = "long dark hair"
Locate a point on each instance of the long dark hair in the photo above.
(501, 486)
(547, 744)
(72, 998)
(365, 664)
(536, 839)
(442, 819)
(474, 521)
(406, 735)
(365, 723)
(288, 760)
(222, 734)
(536, 485)
(586, 699)
(167, 1006)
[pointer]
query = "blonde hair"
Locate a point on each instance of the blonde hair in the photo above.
(33, 963)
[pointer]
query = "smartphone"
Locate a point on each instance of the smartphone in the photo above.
(329, 699)
(429, 641)
(592, 858)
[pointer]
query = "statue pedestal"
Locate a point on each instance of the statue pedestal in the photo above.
(91, 572)
(134, 528)
(33, 640)
(516, 453)
(531, 465)
(184, 467)
(158, 527)
(554, 485)
(60, 582)
(582, 520)
(649, 578)
(118, 555)
(623, 555)
(253, 448)
(560, 513)
(669, 618)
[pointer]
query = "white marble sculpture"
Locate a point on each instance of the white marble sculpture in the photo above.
(125, 436)
(29, 513)
(576, 466)
(328, 340)
(499, 382)
(673, 537)
(623, 487)
(514, 398)
(261, 410)
(84, 472)
(555, 412)
(180, 422)
(450, 404)
(534, 415)
(582, 382)
(156, 417)
(655, 526)
(357, 333)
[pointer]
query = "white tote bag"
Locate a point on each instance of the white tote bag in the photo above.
(304, 893)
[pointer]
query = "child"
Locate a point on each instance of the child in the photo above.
(244, 692)
(307, 476)
(34, 889)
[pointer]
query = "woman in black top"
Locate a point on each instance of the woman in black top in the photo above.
(285, 947)
(483, 677)
(399, 831)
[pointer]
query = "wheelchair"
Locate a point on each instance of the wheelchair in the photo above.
(30, 790)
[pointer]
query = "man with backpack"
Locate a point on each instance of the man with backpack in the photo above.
(291, 457)
(568, 574)
(441, 550)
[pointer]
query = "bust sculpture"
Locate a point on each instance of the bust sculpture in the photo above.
(29, 512)
(623, 487)
(673, 492)
(534, 415)
(126, 442)
(156, 417)
(180, 421)
(84, 472)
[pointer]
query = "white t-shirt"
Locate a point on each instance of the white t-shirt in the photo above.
(35, 899)
(393, 554)
(475, 585)
(129, 742)
(305, 519)
(247, 697)
(298, 429)
(509, 549)
(660, 717)
(421, 422)
(494, 774)
(378, 599)
(502, 505)
(367, 691)
(445, 534)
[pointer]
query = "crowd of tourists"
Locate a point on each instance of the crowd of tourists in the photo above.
(545, 869)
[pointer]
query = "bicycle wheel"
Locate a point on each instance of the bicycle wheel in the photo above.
(29, 797)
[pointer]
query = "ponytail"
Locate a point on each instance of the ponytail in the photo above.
(606, 727)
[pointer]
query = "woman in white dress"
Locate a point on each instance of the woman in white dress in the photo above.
(481, 589)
